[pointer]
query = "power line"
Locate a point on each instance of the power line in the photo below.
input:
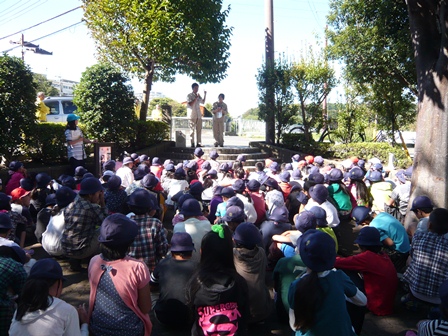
(20, 31)
(21, 13)
(42, 37)
(6, 11)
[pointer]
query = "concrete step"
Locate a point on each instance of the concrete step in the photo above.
(222, 157)
(220, 150)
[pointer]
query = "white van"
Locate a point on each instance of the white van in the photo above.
(59, 107)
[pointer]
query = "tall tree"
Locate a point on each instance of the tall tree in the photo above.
(155, 39)
(429, 24)
(105, 104)
(279, 80)
(372, 38)
(44, 85)
(17, 108)
(313, 80)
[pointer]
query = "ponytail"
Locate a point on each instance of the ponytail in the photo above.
(34, 296)
(307, 301)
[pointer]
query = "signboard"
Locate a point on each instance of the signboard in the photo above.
(104, 151)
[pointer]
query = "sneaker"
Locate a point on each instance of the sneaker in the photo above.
(192, 145)
(216, 144)
(199, 145)
(410, 302)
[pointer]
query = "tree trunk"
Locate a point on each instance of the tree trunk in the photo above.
(430, 175)
(149, 74)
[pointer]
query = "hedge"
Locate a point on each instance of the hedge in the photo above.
(368, 150)
(364, 150)
(47, 143)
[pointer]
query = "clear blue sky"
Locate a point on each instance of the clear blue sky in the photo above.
(296, 24)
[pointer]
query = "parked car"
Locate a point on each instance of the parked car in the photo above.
(60, 108)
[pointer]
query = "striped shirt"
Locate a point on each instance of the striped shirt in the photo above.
(77, 150)
(433, 328)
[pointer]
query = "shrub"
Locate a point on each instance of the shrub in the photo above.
(367, 150)
(17, 108)
(148, 133)
(106, 105)
(298, 142)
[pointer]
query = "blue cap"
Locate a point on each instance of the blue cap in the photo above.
(15, 165)
(42, 180)
(191, 207)
(285, 176)
(319, 193)
(72, 117)
(90, 186)
(117, 229)
(239, 185)
(141, 198)
(227, 192)
(5, 221)
(321, 216)
(368, 236)
(46, 269)
(234, 214)
(109, 165)
(317, 250)
(181, 242)
(279, 214)
(421, 202)
(64, 196)
(305, 221)
(356, 173)
(375, 176)
(360, 213)
(234, 201)
(198, 152)
(213, 154)
(114, 183)
(253, 185)
(149, 181)
(335, 175)
(248, 235)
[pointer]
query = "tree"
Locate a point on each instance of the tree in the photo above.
(44, 85)
(251, 114)
(429, 22)
(105, 104)
(178, 109)
(313, 80)
(351, 119)
(372, 38)
(156, 39)
(279, 79)
(17, 104)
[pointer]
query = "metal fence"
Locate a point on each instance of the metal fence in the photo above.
(250, 127)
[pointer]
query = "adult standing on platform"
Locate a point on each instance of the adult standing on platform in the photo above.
(194, 114)
(219, 111)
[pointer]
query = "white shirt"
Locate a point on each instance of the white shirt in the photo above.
(249, 209)
(57, 320)
(51, 238)
(197, 230)
(126, 175)
(332, 213)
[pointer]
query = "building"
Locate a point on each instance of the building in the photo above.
(64, 86)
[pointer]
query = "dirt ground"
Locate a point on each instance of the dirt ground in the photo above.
(76, 291)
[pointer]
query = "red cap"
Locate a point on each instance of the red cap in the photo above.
(18, 193)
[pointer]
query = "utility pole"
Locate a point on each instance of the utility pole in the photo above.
(30, 46)
(269, 48)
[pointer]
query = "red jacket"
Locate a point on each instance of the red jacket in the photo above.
(380, 279)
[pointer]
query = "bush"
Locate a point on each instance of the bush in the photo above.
(368, 150)
(106, 105)
(297, 142)
(47, 144)
(17, 108)
(148, 133)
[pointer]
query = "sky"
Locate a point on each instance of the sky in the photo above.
(297, 24)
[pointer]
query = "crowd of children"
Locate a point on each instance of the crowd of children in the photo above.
(204, 233)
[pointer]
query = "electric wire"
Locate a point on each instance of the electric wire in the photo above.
(22, 30)
(42, 37)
